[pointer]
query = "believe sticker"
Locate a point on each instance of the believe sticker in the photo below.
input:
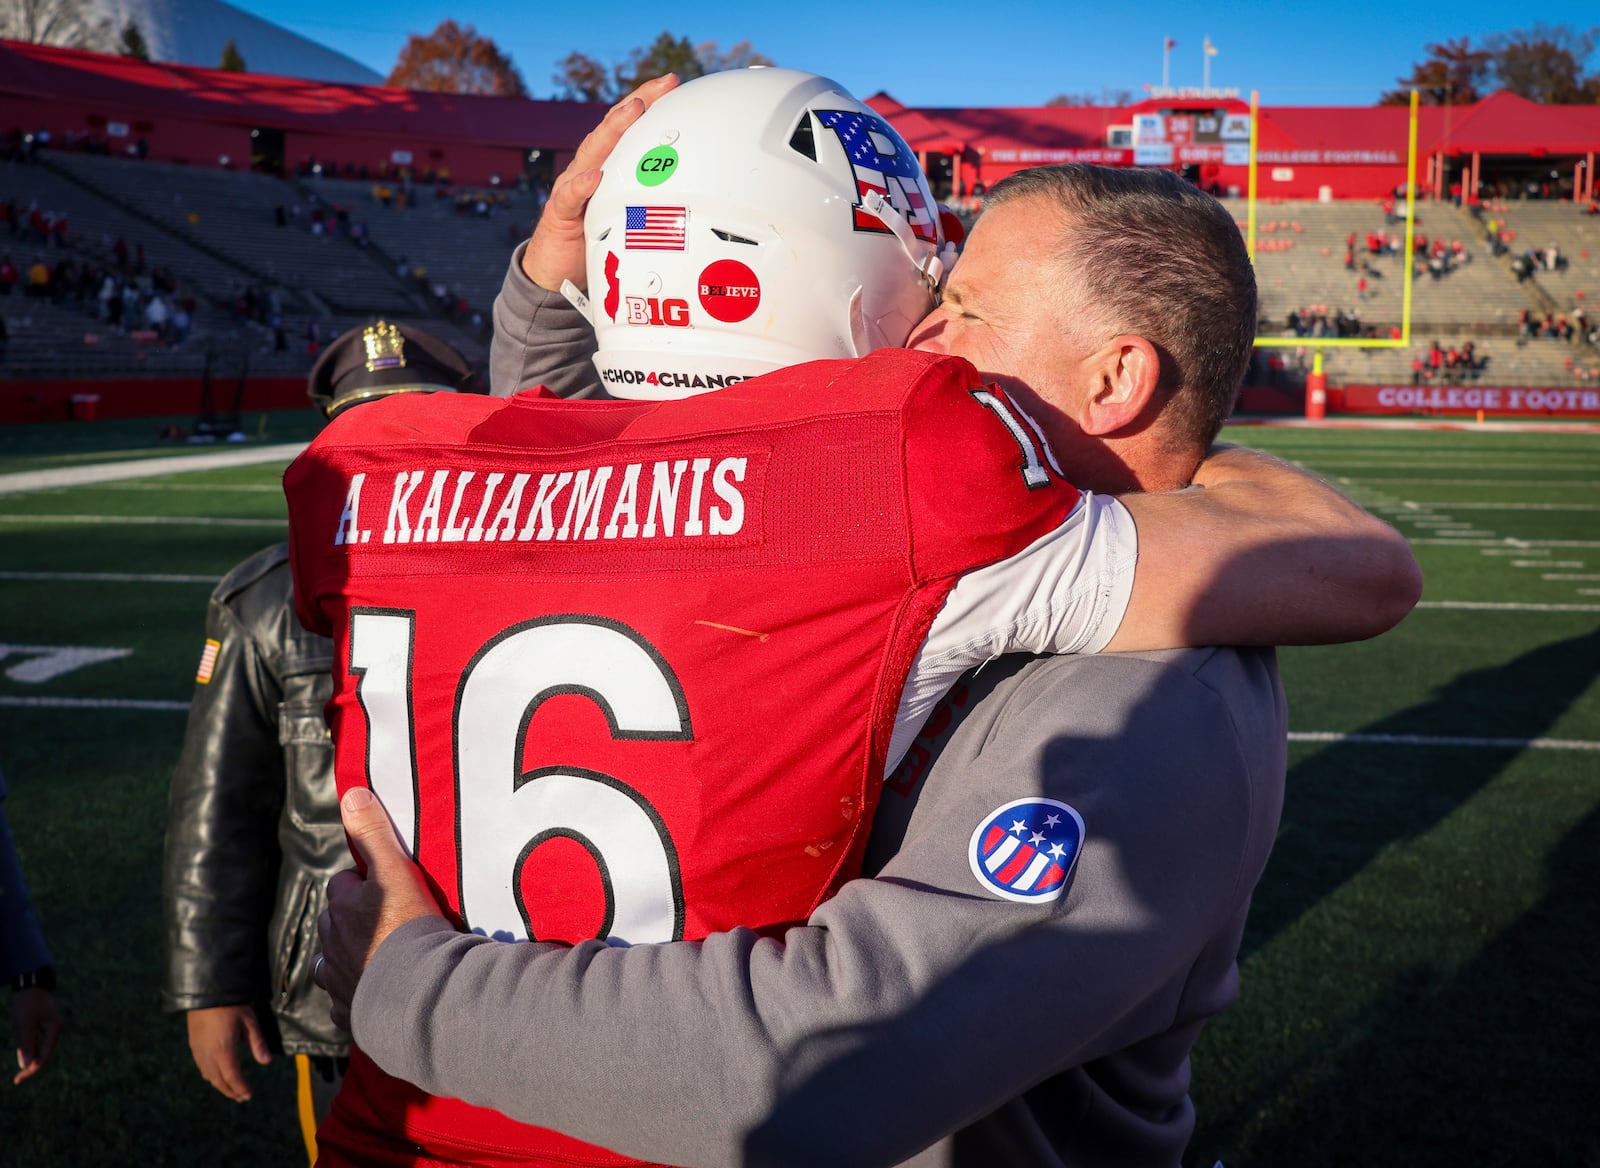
(729, 291)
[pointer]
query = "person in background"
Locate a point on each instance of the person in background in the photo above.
(252, 824)
(25, 962)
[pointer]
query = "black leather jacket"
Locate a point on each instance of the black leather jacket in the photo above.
(253, 828)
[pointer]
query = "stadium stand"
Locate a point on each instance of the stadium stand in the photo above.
(233, 215)
(251, 289)
(1301, 264)
(460, 238)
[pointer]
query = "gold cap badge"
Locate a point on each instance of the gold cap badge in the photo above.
(385, 347)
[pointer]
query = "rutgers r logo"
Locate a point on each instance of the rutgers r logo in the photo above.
(653, 311)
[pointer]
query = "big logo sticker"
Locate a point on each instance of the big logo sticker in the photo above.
(1025, 850)
(729, 291)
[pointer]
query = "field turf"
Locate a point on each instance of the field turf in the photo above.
(1420, 973)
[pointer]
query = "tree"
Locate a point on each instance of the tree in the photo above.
(133, 42)
(232, 59)
(1545, 63)
(1107, 96)
(666, 54)
(455, 59)
(1454, 74)
(741, 56)
(580, 77)
(71, 24)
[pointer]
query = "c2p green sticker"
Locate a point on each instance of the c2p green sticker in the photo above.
(657, 166)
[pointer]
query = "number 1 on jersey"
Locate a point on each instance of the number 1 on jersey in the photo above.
(502, 814)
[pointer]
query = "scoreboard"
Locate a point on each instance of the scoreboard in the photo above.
(1186, 137)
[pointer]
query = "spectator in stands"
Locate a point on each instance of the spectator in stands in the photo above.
(61, 281)
(182, 321)
(39, 280)
(156, 316)
(8, 275)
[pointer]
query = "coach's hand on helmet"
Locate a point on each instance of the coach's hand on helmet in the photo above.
(556, 251)
(363, 910)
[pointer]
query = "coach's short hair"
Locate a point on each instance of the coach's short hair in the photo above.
(1153, 256)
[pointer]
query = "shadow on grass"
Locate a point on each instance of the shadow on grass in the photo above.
(1486, 1065)
(1346, 803)
(1491, 1066)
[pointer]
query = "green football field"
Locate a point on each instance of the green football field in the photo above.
(1421, 974)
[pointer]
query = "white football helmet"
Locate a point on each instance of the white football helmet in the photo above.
(750, 220)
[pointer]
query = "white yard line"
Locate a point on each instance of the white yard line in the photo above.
(1456, 506)
(1567, 575)
(92, 704)
(1587, 483)
(1464, 462)
(1443, 740)
(1505, 606)
(147, 520)
(123, 577)
(144, 468)
(249, 488)
(1505, 546)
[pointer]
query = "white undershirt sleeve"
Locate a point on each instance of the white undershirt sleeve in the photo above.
(1064, 593)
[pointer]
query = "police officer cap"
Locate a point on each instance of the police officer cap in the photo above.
(381, 359)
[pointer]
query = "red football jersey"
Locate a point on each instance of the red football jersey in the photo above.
(628, 670)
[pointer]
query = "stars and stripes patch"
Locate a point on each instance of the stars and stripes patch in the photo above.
(208, 662)
(656, 229)
(1025, 850)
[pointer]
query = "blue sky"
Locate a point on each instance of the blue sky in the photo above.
(941, 52)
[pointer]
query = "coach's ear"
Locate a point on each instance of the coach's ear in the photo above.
(1125, 372)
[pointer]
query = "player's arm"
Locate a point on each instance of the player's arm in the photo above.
(911, 1004)
(1262, 553)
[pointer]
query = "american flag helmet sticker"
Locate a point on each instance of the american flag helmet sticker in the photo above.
(208, 662)
(1025, 850)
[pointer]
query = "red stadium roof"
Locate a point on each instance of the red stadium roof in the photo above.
(1500, 124)
(130, 87)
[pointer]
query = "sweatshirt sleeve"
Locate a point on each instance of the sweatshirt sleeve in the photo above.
(539, 339)
(912, 1003)
(22, 947)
